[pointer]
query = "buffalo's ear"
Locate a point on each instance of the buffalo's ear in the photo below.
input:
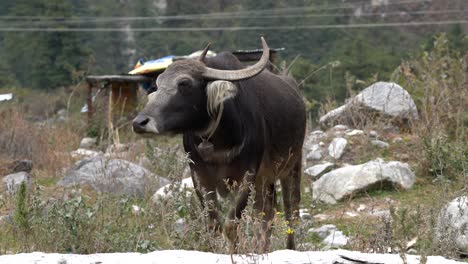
(217, 92)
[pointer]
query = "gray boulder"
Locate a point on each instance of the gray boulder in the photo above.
(113, 176)
(343, 182)
(387, 99)
(452, 224)
(13, 181)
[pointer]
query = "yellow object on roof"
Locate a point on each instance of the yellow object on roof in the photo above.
(152, 66)
(162, 63)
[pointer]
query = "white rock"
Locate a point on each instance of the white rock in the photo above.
(336, 239)
(337, 147)
(315, 153)
(331, 236)
(304, 214)
(452, 224)
(322, 217)
(351, 214)
(318, 170)
(81, 152)
(342, 182)
(397, 140)
(167, 190)
(373, 134)
(380, 213)
(88, 143)
(361, 208)
(198, 257)
(13, 181)
(340, 127)
(313, 138)
(179, 225)
(379, 143)
(322, 231)
(355, 132)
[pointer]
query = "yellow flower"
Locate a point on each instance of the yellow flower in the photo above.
(289, 231)
(278, 213)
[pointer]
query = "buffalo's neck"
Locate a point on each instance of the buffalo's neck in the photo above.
(232, 135)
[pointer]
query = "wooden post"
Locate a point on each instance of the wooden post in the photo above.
(89, 102)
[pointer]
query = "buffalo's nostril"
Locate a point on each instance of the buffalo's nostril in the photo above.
(144, 121)
(139, 124)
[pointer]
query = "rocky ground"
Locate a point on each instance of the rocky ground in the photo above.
(354, 176)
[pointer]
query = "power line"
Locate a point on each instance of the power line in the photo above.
(215, 15)
(252, 28)
(258, 17)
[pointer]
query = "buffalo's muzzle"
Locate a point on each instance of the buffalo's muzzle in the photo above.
(140, 124)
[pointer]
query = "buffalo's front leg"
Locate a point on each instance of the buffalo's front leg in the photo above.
(206, 192)
(235, 212)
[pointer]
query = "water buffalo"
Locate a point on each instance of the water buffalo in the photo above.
(243, 128)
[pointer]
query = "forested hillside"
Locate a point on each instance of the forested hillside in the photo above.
(47, 44)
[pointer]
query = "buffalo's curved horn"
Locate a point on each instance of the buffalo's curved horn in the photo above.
(203, 54)
(235, 75)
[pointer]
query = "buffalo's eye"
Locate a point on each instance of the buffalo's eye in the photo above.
(184, 85)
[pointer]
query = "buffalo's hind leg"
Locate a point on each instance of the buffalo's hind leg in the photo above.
(291, 187)
(264, 206)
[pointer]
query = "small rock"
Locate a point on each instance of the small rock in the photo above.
(81, 153)
(322, 217)
(355, 132)
(380, 213)
(373, 134)
(337, 147)
(322, 231)
(331, 236)
(412, 251)
(313, 138)
(351, 214)
(117, 148)
(13, 181)
(179, 225)
(321, 144)
(6, 218)
(88, 143)
(317, 170)
(304, 214)
(315, 153)
(336, 239)
(361, 208)
(340, 127)
(397, 140)
(379, 143)
(167, 190)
